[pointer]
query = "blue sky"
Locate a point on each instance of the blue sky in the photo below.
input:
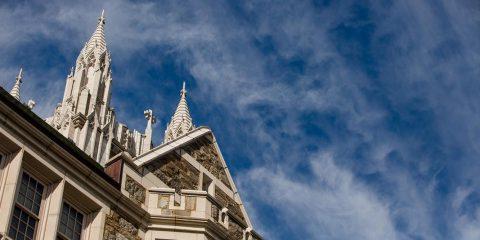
(339, 119)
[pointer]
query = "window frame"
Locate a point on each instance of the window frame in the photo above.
(61, 235)
(23, 208)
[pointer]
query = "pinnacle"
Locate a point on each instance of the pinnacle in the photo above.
(181, 122)
(15, 92)
(98, 37)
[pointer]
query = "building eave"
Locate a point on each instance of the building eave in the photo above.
(24, 112)
(168, 147)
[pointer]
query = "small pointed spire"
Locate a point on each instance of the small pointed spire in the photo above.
(181, 122)
(16, 88)
(98, 38)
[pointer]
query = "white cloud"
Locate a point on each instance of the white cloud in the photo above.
(330, 205)
(232, 74)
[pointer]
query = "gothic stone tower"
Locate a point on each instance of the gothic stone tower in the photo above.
(85, 115)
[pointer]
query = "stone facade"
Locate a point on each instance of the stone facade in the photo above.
(135, 190)
(118, 228)
(206, 154)
(176, 173)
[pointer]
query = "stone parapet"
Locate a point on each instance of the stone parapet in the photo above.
(167, 202)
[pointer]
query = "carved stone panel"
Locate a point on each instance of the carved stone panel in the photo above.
(164, 204)
(118, 228)
(135, 190)
(176, 172)
(190, 203)
(206, 154)
(228, 202)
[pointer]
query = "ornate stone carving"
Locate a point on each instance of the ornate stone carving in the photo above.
(135, 190)
(207, 156)
(79, 120)
(228, 202)
(62, 115)
(118, 228)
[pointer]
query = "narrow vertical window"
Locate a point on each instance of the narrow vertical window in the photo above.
(27, 209)
(71, 222)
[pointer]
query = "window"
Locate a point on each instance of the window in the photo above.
(27, 208)
(70, 223)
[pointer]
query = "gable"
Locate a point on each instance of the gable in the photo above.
(185, 162)
(204, 152)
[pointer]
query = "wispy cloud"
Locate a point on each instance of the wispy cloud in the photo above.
(331, 205)
(366, 110)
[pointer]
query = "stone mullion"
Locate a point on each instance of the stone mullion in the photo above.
(10, 179)
(53, 210)
(200, 181)
(94, 230)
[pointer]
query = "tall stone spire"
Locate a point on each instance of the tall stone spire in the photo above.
(181, 122)
(84, 115)
(97, 41)
(16, 88)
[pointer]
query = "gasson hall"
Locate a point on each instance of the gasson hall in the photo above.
(82, 174)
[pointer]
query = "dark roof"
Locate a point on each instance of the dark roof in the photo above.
(55, 136)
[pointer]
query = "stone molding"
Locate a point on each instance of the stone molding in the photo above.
(228, 202)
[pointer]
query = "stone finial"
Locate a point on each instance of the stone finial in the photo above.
(183, 92)
(102, 17)
(181, 122)
(15, 92)
(71, 72)
(97, 41)
(31, 104)
(151, 119)
(149, 116)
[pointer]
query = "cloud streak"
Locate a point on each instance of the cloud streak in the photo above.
(367, 110)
